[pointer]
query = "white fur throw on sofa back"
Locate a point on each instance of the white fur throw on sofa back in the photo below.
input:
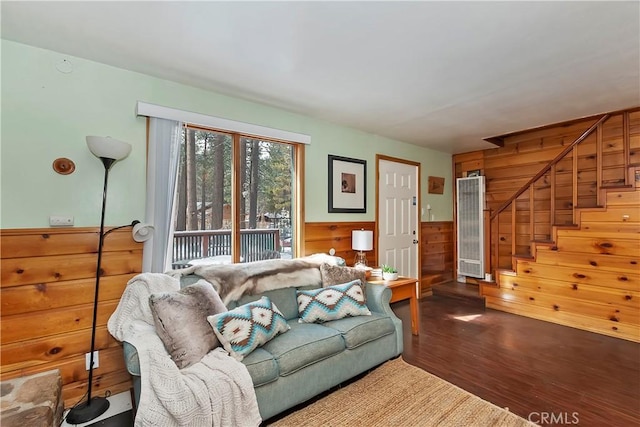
(232, 281)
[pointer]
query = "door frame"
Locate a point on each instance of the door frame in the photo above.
(380, 157)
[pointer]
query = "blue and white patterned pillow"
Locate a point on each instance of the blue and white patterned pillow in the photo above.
(249, 326)
(332, 303)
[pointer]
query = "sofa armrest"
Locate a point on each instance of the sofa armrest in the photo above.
(378, 300)
(131, 359)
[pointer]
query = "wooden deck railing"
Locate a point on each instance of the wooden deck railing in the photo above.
(255, 244)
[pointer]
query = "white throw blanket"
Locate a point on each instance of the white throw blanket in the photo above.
(217, 391)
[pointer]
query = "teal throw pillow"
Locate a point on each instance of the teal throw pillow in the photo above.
(332, 303)
(249, 326)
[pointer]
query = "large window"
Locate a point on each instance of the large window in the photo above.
(236, 198)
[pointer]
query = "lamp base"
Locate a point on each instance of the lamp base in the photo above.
(360, 260)
(87, 411)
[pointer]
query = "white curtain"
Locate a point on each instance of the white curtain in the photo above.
(162, 172)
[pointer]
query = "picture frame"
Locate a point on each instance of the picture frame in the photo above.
(347, 185)
(436, 185)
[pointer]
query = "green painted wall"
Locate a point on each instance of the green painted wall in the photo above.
(46, 114)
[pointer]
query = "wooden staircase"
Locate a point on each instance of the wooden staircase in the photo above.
(581, 268)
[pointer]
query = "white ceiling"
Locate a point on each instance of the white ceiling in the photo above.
(442, 75)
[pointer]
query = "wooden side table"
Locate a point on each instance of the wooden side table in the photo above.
(401, 289)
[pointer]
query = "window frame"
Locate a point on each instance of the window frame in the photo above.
(298, 154)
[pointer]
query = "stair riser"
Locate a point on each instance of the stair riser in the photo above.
(631, 333)
(610, 297)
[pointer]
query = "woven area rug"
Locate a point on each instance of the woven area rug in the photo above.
(399, 394)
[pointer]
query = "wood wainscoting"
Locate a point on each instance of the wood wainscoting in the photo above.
(436, 246)
(320, 237)
(47, 292)
(437, 254)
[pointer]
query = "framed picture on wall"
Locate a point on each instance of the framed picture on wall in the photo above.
(347, 185)
(436, 185)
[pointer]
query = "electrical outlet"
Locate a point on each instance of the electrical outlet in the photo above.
(60, 221)
(96, 360)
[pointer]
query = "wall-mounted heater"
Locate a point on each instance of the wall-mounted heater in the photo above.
(470, 226)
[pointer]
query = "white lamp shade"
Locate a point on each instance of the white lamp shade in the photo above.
(107, 147)
(362, 240)
(142, 232)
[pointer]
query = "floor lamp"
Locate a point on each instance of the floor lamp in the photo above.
(109, 151)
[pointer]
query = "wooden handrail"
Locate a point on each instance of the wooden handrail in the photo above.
(549, 165)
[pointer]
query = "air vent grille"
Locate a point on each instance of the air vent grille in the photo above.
(470, 229)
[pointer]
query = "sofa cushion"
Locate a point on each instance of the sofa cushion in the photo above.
(249, 326)
(336, 275)
(181, 321)
(304, 345)
(333, 302)
(262, 367)
(284, 299)
(362, 329)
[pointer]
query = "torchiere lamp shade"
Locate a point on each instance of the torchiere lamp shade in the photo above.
(108, 148)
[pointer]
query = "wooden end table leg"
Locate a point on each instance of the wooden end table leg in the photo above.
(415, 318)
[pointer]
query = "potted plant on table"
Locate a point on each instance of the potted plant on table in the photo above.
(389, 273)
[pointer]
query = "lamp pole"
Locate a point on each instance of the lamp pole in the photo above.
(94, 406)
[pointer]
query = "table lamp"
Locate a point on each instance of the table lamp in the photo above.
(361, 240)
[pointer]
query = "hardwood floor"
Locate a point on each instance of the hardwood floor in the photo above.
(548, 373)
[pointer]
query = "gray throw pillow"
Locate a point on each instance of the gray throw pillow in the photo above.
(181, 321)
(335, 275)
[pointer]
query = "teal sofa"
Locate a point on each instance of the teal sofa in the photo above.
(311, 358)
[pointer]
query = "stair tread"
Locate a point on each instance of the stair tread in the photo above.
(616, 186)
(507, 272)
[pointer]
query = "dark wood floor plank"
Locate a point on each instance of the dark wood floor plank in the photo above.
(529, 366)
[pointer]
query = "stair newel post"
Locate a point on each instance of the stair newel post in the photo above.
(599, 197)
(626, 146)
(496, 246)
(574, 185)
(552, 200)
(532, 222)
(513, 233)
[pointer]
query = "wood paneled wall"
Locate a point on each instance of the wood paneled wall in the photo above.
(508, 168)
(322, 236)
(437, 246)
(47, 292)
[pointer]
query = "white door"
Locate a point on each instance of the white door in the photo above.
(398, 207)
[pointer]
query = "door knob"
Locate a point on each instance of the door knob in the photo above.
(415, 241)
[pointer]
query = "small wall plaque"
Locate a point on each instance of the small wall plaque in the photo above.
(64, 166)
(436, 185)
